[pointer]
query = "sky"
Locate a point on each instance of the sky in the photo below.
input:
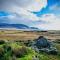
(43, 14)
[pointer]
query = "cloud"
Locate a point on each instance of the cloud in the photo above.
(14, 18)
(37, 5)
(31, 5)
(23, 7)
(46, 21)
(21, 13)
(53, 22)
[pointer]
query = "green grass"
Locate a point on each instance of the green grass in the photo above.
(45, 56)
(15, 46)
(31, 53)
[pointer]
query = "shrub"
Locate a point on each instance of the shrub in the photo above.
(7, 48)
(57, 41)
(20, 52)
(53, 52)
(7, 52)
(2, 41)
(1, 52)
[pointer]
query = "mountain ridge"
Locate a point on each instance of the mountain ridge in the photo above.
(17, 26)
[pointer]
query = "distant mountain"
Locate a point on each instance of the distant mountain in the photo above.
(33, 27)
(17, 26)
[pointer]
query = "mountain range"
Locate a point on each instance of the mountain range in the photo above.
(17, 26)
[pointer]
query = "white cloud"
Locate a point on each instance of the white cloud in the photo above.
(37, 5)
(24, 13)
(23, 7)
(53, 22)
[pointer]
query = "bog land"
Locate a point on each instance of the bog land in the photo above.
(28, 35)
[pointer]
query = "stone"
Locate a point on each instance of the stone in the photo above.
(42, 42)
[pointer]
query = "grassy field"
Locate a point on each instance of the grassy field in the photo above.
(13, 50)
(25, 35)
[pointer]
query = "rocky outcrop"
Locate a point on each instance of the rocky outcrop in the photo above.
(42, 44)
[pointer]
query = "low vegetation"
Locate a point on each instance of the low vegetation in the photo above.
(19, 51)
(16, 45)
(14, 51)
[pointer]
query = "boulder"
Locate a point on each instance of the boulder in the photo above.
(42, 42)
